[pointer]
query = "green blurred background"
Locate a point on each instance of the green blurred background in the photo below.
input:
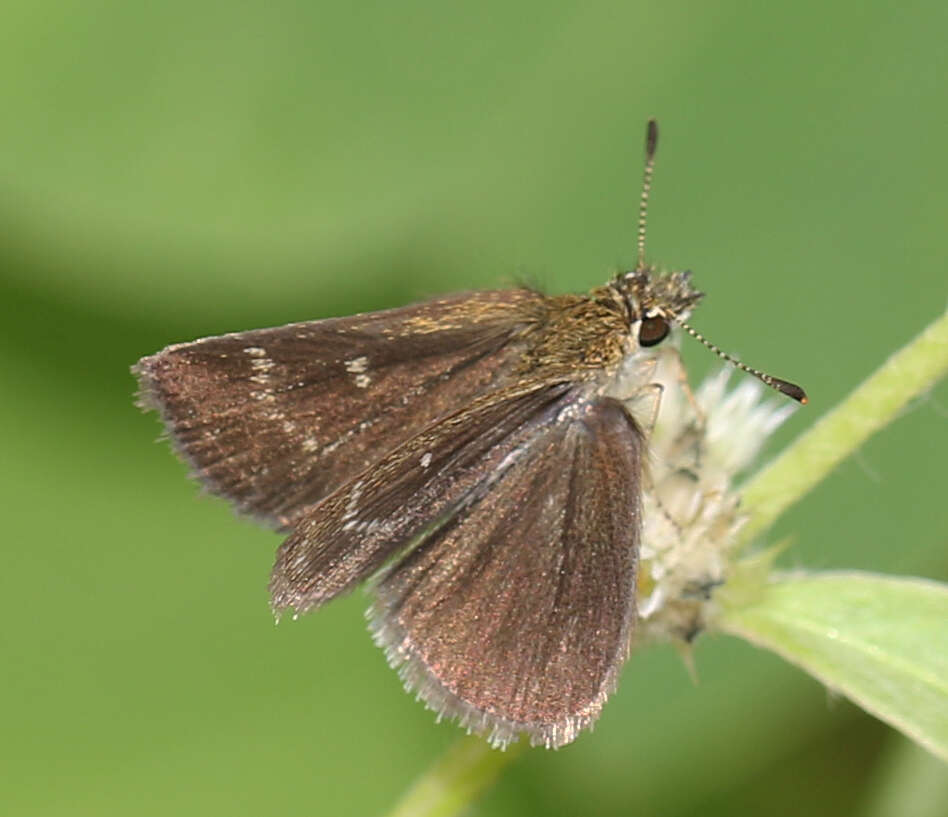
(175, 170)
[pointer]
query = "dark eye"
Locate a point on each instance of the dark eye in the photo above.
(652, 330)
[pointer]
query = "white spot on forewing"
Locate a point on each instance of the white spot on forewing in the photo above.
(370, 526)
(262, 364)
(359, 366)
(335, 444)
(352, 505)
(310, 444)
(426, 459)
(255, 351)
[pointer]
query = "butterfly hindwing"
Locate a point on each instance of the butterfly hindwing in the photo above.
(516, 614)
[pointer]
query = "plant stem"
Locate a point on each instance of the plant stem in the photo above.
(911, 371)
(458, 777)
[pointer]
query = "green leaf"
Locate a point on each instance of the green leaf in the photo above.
(883, 642)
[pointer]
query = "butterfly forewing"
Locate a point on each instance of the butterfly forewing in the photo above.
(516, 614)
(275, 419)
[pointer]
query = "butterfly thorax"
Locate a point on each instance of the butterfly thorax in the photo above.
(576, 337)
(586, 337)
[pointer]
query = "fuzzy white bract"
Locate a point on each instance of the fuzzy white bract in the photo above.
(691, 510)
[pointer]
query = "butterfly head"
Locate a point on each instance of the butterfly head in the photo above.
(655, 301)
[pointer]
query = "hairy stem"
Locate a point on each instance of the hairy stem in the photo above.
(458, 777)
(911, 371)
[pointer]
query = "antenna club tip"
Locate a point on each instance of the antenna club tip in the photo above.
(791, 390)
(651, 137)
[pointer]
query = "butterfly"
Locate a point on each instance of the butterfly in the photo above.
(480, 457)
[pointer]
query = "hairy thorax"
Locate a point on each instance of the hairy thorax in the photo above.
(577, 336)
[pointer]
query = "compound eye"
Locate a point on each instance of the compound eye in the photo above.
(653, 330)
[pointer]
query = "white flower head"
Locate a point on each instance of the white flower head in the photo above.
(698, 447)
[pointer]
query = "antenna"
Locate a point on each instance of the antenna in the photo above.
(651, 142)
(783, 386)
